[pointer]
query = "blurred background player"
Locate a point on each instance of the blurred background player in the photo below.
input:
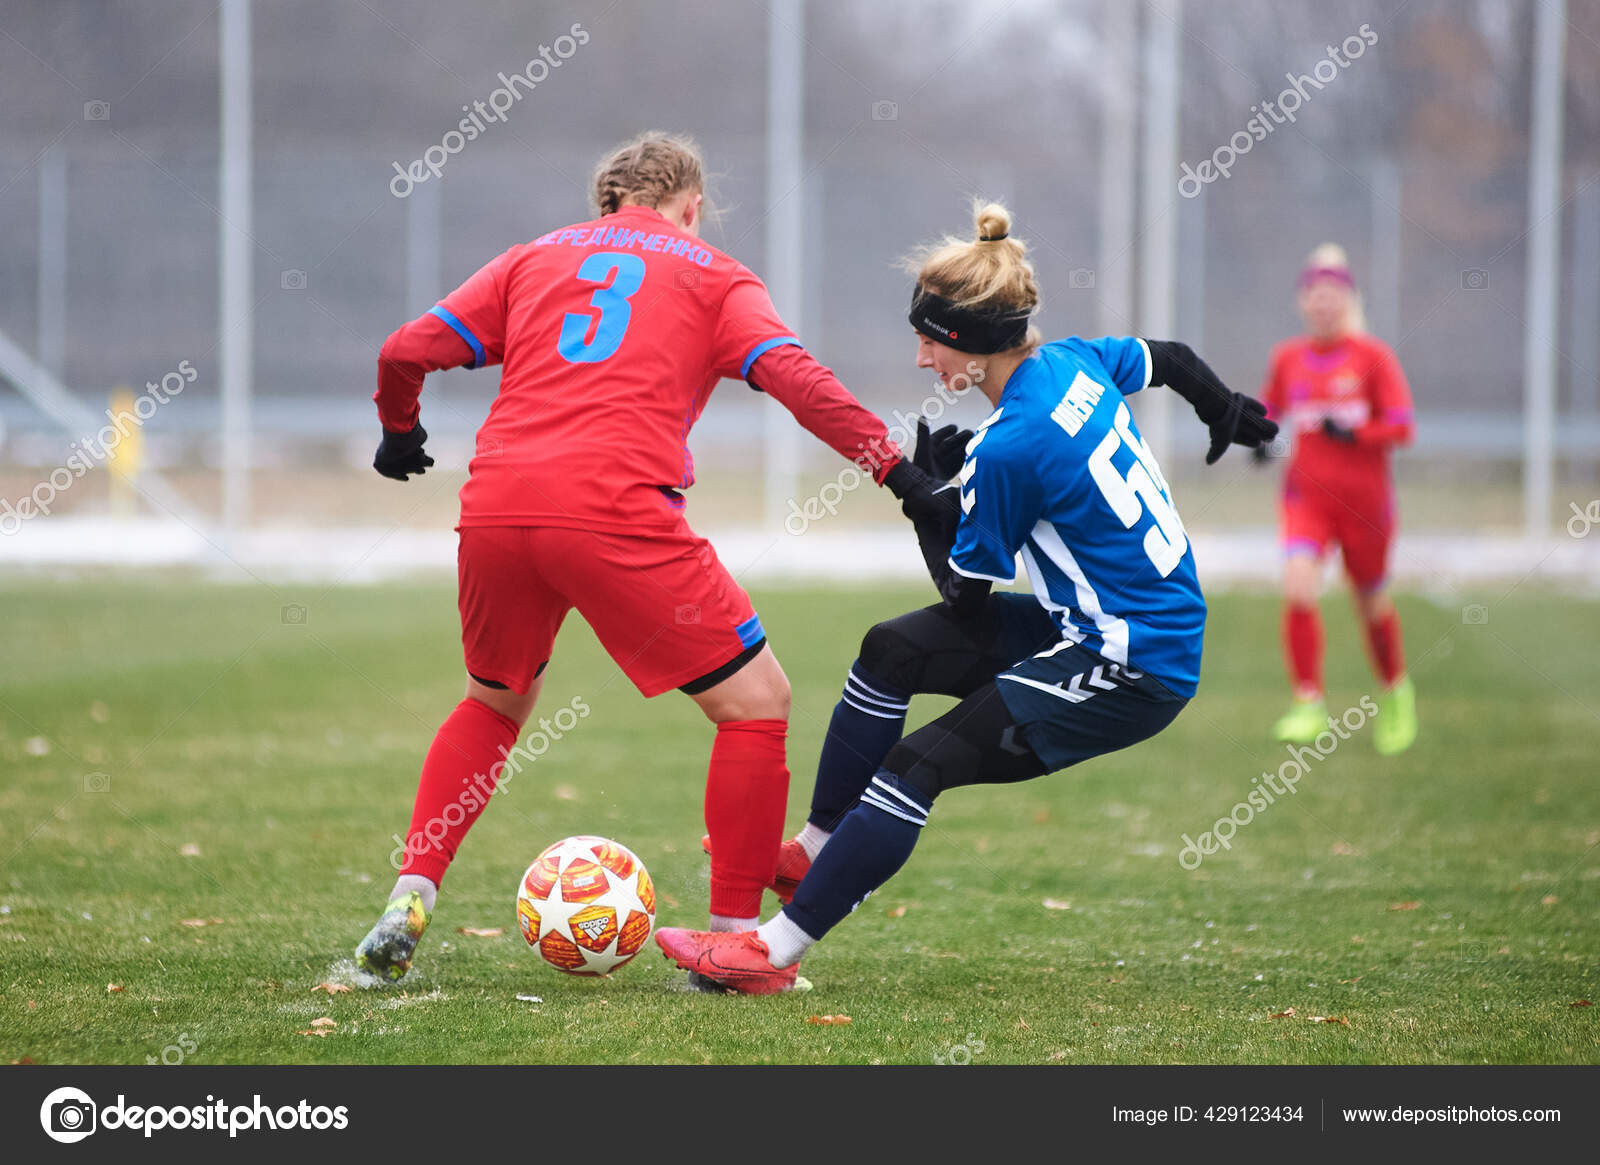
(612, 334)
(1103, 654)
(1343, 396)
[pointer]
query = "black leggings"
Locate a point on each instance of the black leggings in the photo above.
(931, 651)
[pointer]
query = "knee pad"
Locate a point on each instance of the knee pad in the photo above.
(888, 655)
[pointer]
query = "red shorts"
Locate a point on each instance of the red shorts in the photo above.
(1363, 529)
(661, 603)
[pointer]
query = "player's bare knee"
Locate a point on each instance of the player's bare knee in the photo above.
(779, 700)
(514, 706)
(1300, 581)
(1374, 605)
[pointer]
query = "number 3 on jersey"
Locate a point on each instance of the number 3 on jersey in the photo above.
(1166, 542)
(610, 300)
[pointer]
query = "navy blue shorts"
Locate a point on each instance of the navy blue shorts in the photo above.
(1072, 703)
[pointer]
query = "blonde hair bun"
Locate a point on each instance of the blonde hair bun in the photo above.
(1330, 255)
(993, 222)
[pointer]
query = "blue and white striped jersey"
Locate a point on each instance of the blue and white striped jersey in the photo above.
(1059, 474)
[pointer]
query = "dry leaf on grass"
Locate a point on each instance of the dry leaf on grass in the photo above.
(828, 1019)
(25, 1060)
(1549, 900)
(1404, 905)
(111, 988)
(331, 988)
(482, 931)
(1338, 1019)
(1582, 1003)
(201, 922)
(896, 912)
(324, 1021)
(1287, 1013)
(1056, 904)
(189, 850)
(1342, 849)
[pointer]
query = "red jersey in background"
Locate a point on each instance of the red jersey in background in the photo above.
(1355, 381)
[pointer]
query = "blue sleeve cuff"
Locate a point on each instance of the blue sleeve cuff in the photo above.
(479, 358)
(763, 347)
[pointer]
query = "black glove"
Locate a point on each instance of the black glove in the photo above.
(1240, 420)
(941, 454)
(1338, 432)
(400, 454)
(910, 483)
(935, 512)
(1232, 417)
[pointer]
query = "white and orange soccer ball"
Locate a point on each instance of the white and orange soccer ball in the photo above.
(586, 905)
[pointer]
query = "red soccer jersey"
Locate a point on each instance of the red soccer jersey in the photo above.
(1356, 382)
(612, 334)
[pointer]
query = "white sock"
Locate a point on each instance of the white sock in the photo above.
(423, 886)
(812, 840)
(786, 942)
(722, 922)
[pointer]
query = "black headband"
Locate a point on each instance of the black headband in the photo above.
(966, 329)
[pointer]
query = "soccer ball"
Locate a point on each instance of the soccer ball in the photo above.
(586, 905)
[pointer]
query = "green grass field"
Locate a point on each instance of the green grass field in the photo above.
(175, 753)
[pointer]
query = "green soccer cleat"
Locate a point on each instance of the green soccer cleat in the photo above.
(1396, 729)
(387, 949)
(1302, 723)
